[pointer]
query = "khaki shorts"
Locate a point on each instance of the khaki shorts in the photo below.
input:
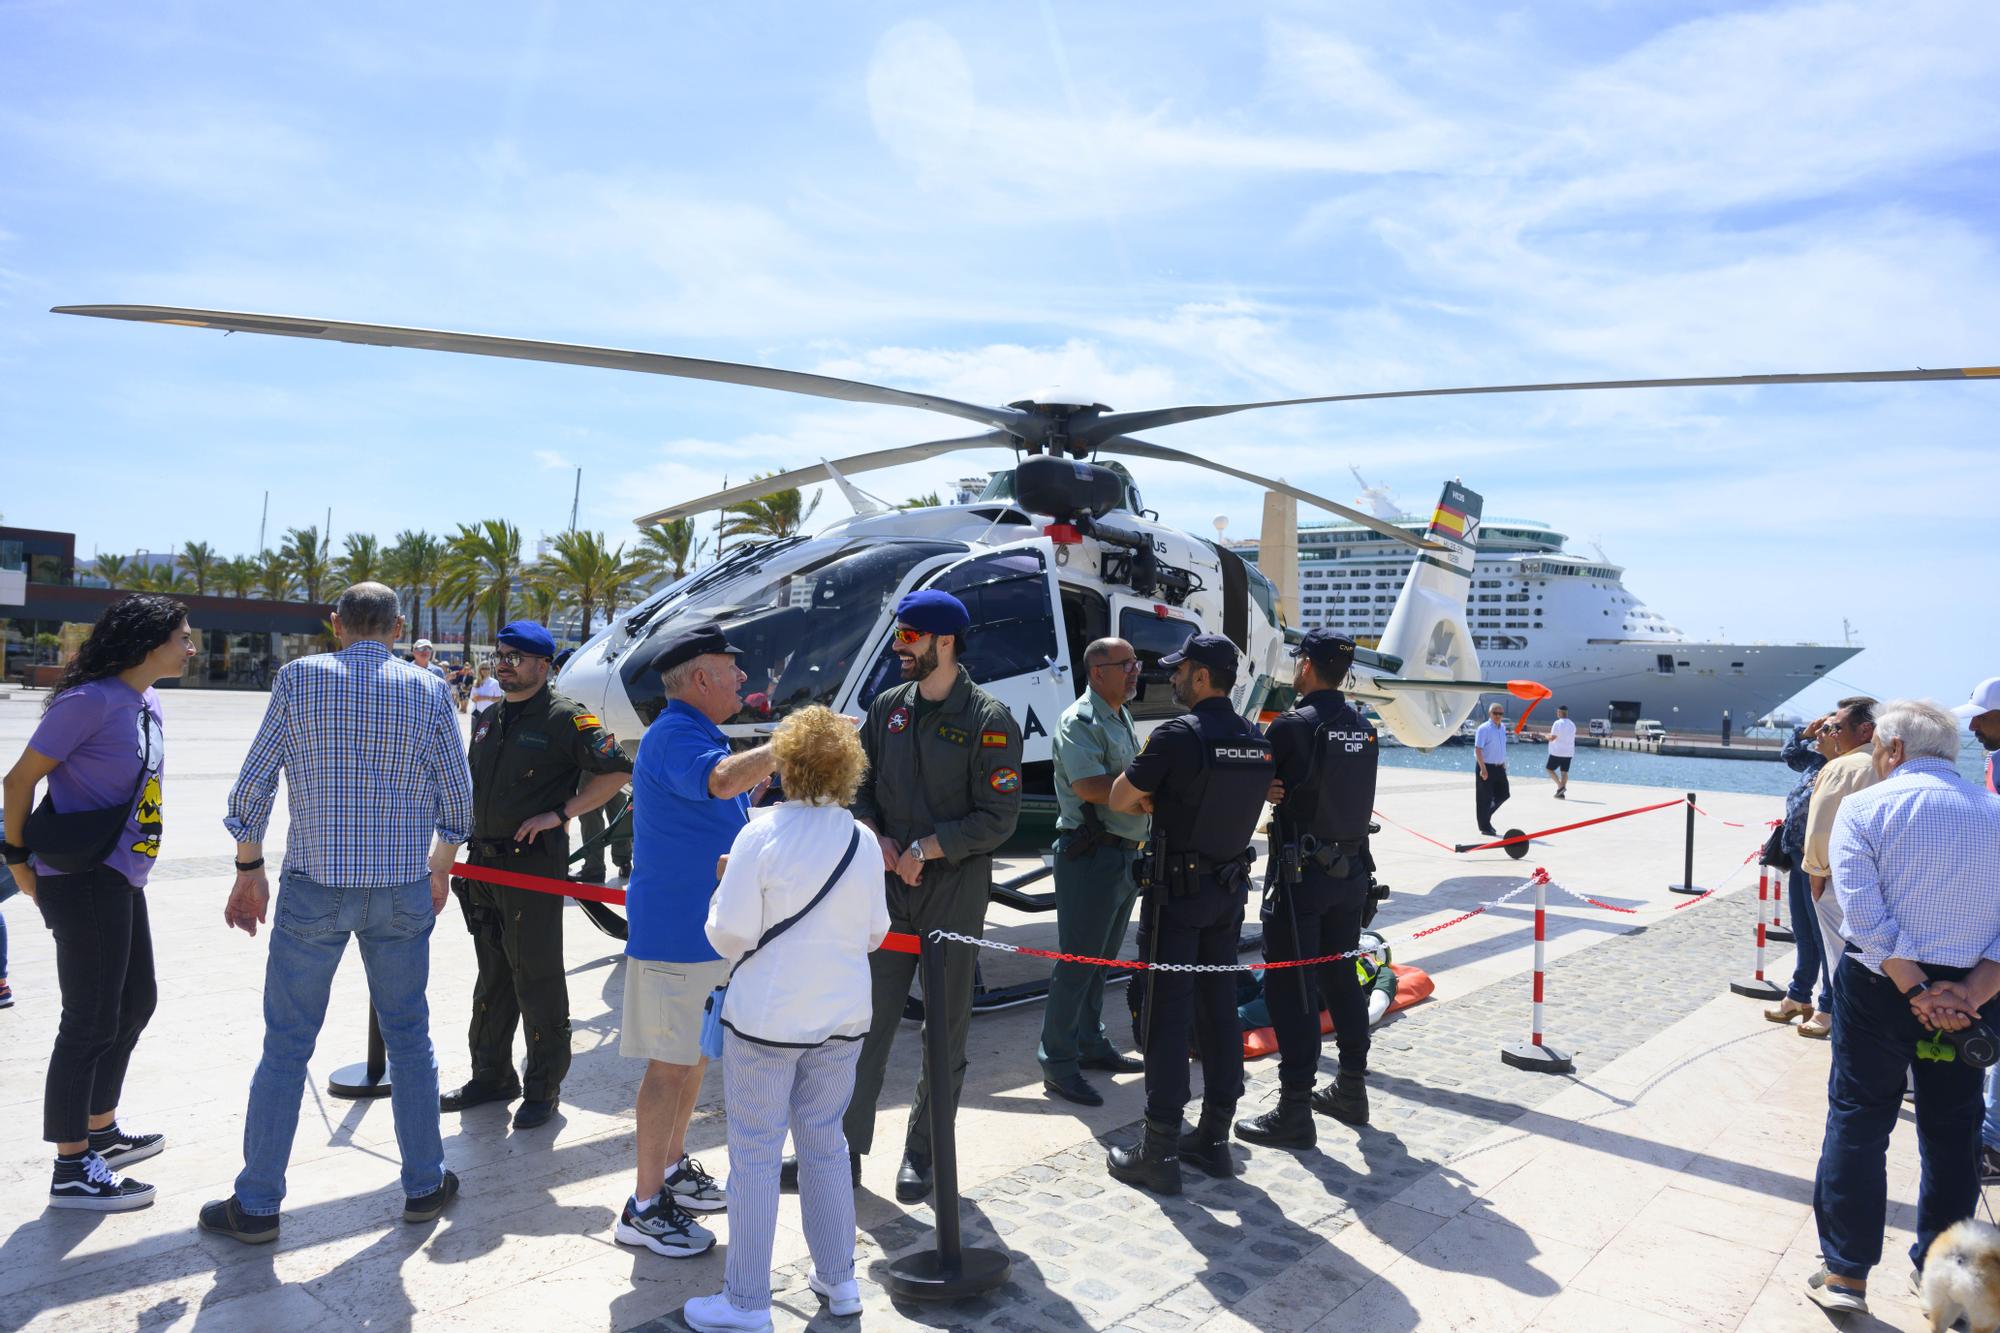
(663, 1008)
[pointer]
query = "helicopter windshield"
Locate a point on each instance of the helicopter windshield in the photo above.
(800, 619)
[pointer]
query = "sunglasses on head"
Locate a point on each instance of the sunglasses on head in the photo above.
(905, 635)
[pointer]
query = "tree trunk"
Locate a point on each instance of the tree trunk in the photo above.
(586, 619)
(469, 608)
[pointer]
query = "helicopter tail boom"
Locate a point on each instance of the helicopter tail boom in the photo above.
(1427, 629)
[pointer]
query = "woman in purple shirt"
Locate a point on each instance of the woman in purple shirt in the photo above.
(100, 743)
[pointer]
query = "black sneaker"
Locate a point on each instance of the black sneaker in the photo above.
(6, 996)
(118, 1148)
(694, 1189)
(86, 1182)
(426, 1207)
(663, 1227)
(1989, 1165)
(225, 1217)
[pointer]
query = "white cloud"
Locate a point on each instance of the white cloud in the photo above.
(549, 458)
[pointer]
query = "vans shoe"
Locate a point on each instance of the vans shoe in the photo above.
(86, 1182)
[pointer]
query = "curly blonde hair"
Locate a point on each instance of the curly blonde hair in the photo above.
(819, 757)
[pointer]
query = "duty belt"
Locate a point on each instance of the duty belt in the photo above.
(1336, 858)
(499, 846)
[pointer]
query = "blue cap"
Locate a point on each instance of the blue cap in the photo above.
(1209, 650)
(527, 637)
(933, 612)
(1326, 650)
(690, 642)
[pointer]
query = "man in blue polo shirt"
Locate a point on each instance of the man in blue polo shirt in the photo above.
(690, 797)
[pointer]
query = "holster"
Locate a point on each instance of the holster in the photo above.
(1337, 860)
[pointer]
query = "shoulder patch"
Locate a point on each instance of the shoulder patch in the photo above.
(899, 719)
(585, 721)
(955, 735)
(605, 746)
(1005, 780)
(993, 740)
(481, 727)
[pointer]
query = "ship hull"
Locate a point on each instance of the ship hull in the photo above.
(1624, 681)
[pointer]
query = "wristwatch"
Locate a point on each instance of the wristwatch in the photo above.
(917, 849)
(15, 854)
(1913, 992)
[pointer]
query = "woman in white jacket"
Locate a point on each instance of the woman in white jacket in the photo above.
(795, 1014)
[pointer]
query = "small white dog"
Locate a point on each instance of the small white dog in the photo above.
(1962, 1278)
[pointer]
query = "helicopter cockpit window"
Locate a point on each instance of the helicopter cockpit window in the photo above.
(800, 619)
(1153, 637)
(1013, 629)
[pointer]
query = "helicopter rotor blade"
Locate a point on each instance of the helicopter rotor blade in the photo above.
(1120, 423)
(1146, 449)
(573, 354)
(818, 472)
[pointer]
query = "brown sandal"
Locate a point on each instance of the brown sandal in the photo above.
(1789, 1009)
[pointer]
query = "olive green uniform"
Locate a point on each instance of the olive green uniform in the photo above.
(952, 769)
(527, 759)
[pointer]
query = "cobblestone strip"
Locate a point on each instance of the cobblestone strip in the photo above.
(1092, 1253)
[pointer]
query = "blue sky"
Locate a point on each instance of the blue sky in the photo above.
(1155, 203)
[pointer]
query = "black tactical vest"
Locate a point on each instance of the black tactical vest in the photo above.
(1340, 786)
(1219, 815)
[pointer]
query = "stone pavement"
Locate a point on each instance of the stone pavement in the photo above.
(1665, 1184)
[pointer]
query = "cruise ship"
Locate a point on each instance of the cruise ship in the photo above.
(1539, 613)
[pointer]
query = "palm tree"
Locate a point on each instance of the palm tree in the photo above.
(198, 558)
(779, 514)
(588, 572)
(928, 500)
(274, 577)
(539, 600)
(668, 549)
(111, 568)
(163, 578)
(306, 554)
(411, 565)
(360, 560)
(482, 568)
(237, 575)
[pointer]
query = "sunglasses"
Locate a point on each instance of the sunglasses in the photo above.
(906, 636)
(514, 659)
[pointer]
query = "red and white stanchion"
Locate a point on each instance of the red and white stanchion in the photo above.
(1778, 930)
(1534, 1054)
(1757, 987)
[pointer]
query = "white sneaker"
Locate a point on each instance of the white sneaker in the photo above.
(1840, 1300)
(842, 1298)
(714, 1314)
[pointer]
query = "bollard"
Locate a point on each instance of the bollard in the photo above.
(1534, 1055)
(1757, 988)
(949, 1272)
(1687, 884)
(368, 1079)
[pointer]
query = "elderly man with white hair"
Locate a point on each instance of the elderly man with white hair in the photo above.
(1912, 865)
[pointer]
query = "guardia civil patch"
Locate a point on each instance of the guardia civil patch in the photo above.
(1004, 779)
(585, 721)
(899, 719)
(993, 740)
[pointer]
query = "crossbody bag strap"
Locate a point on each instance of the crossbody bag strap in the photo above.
(846, 860)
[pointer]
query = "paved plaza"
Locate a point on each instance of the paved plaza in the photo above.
(1665, 1184)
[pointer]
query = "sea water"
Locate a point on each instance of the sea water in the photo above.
(1765, 777)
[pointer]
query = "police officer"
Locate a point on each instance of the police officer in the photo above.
(1204, 777)
(1313, 905)
(527, 756)
(943, 792)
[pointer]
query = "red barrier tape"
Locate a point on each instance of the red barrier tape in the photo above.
(1412, 832)
(894, 942)
(1565, 828)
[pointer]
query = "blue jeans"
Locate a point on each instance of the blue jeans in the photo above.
(309, 934)
(1989, 1128)
(1810, 962)
(1874, 1053)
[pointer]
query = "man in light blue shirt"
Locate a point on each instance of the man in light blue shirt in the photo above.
(1489, 747)
(1912, 866)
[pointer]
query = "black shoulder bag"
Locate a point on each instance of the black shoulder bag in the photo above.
(78, 840)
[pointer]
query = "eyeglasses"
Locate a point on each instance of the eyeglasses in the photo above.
(1830, 728)
(905, 635)
(514, 659)
(1123, 664)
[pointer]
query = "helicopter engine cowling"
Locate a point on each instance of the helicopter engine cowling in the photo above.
(1427, 630)
(1066, 488)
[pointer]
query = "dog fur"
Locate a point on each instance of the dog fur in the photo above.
(1962, 1278)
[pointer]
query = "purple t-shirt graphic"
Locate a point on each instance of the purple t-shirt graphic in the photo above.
(97, 734)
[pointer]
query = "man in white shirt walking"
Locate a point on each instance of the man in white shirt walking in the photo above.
(1562, 749)
(1489, 745)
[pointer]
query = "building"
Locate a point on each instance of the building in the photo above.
(45, 613)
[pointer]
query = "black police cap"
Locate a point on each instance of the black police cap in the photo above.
(1324, 648)
(691, 642)
(1209, 650)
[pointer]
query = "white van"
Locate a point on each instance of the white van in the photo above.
(1649, 729)
(1600, 726)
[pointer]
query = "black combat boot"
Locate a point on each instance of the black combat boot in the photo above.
(1155, 1164)
(1207, 1144)
(1345, 1099)
(1287, 1125)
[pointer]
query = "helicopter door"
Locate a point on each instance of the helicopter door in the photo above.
(1154, 630)
(1016, 648)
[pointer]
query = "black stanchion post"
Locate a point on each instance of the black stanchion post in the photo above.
(368, 1079)
(1687, 884)
(948, 1272)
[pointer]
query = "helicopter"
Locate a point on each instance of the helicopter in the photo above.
(1059, 550)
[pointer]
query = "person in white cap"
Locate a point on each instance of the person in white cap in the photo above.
(420, 653)
(1982, 714)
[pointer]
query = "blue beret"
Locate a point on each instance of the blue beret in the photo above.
(933, 612)
(1209, 650)
(527, 637)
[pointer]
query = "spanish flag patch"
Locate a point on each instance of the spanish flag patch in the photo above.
(587, 722)
(993, 740)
